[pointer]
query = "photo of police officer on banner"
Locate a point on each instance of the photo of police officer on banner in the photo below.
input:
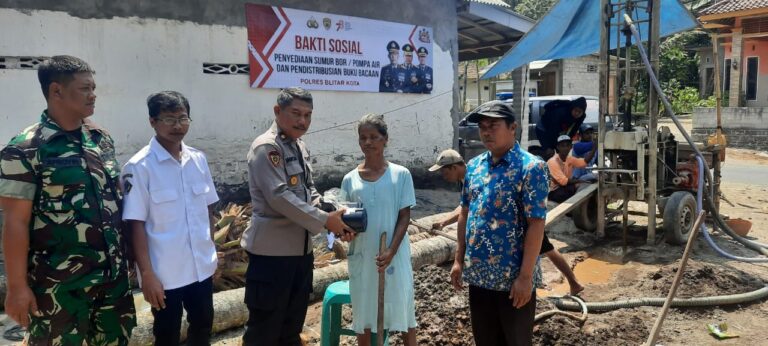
(406, 77)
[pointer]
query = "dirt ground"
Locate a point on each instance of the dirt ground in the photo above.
(609, 273)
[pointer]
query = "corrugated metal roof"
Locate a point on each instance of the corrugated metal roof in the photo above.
(727, 6)
(491, 2)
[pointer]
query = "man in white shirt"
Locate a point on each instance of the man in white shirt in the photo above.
(169, 197)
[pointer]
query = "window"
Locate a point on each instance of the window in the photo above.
(21, 62)
(727, 75)
(223, 68)
(752, 65)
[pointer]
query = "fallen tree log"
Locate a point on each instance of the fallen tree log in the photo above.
(231, 312)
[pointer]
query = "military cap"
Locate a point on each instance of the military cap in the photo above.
(392, 46)
(408, 49)
(422, 51)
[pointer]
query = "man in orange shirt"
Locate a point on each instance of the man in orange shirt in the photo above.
(562, 185)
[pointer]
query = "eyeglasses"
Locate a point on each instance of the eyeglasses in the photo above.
(174, 121)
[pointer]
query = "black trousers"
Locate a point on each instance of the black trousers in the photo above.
(562, 193)
(495, 321)
(277, 296)
(197, 299)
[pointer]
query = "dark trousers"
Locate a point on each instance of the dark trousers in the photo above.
(562, 193)
(277, 295)
(495, 321)
(197, 299)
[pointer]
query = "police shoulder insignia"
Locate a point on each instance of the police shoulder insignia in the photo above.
(127, 183)
(293, 180)
(274, 157)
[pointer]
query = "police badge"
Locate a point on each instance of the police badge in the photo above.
(274, 157)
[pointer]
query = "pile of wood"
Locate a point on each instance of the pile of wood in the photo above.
(232, 221)
(233, 260)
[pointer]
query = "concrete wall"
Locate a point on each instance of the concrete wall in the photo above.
(576, 80)
(139, 47)
(744, 127)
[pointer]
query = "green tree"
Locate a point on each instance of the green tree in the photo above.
(534, 9)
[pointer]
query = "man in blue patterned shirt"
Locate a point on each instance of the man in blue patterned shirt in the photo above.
(501, 227)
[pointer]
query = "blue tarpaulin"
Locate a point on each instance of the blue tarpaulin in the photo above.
(572, 29)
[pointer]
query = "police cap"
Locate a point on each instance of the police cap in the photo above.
(392, 46)
(408, 49)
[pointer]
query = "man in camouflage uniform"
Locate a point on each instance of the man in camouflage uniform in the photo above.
(67, 277)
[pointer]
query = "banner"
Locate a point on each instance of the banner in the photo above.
(321, 51)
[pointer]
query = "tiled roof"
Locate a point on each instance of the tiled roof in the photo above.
(728, 6)
(491, 2)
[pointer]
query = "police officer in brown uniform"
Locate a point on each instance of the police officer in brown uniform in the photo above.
(285, 215)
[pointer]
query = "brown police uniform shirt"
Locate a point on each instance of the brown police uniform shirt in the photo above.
(283, 196)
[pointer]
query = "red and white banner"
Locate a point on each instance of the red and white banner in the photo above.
(321, 51)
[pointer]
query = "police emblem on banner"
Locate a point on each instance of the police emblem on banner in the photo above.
(424, 36)
(312, 23)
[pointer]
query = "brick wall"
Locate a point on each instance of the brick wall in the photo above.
(578, 79)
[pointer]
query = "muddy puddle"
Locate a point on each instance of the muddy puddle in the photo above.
(589, 272)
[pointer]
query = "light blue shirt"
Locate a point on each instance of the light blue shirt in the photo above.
(382, 199)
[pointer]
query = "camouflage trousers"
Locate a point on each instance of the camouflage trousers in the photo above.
(102, 314)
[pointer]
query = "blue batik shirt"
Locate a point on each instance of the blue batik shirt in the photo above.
(500, 198)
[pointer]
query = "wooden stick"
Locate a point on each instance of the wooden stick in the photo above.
(718, 96)
(431, 231)
(678, 277)
(380, 312)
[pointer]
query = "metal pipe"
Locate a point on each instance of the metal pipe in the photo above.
(628, 93)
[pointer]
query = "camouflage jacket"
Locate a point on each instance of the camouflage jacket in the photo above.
(71, 177)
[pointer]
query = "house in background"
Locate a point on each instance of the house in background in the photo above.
(742, 28)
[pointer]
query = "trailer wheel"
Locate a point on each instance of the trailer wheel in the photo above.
(585, 215)
(679, 216)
